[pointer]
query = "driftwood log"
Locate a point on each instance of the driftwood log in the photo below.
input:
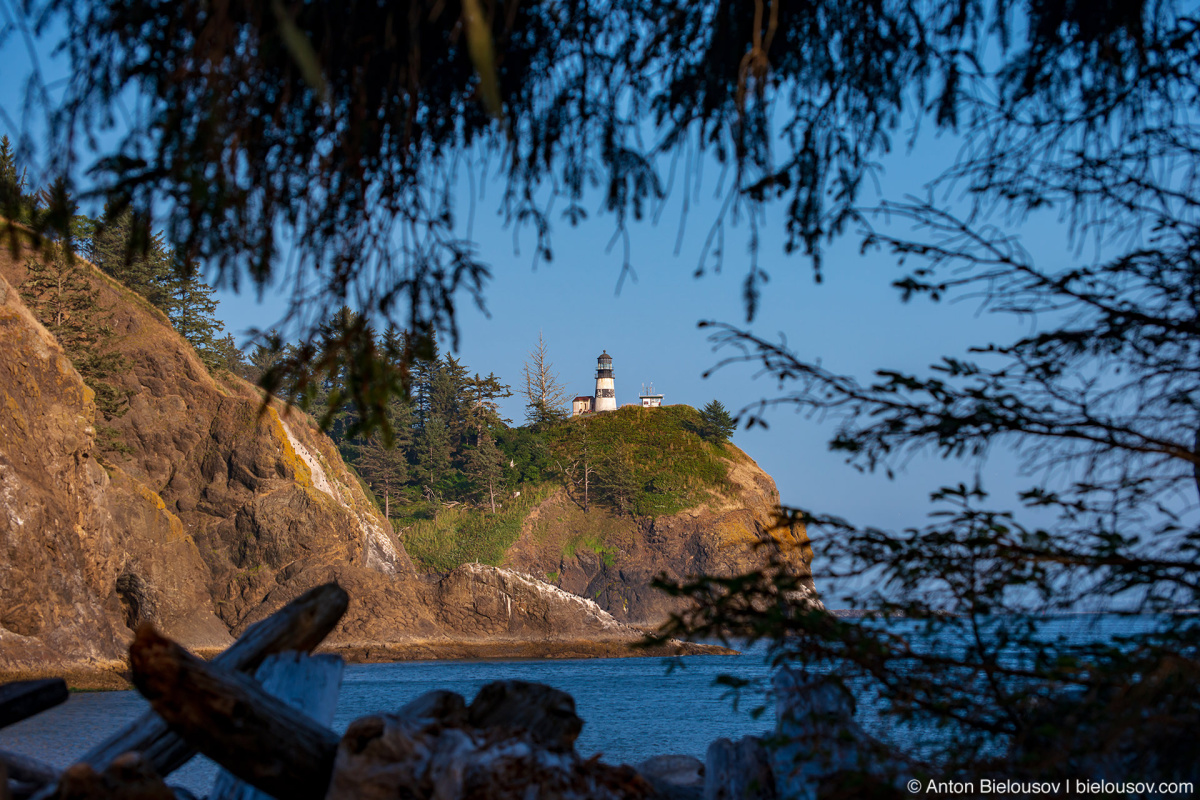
(307, 683)
(230, 718)
(25, 775)
(438, 747)
(22, 699)
(738, 770)
(301, 625)
(820, 751)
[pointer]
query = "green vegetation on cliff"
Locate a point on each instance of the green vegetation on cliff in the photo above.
(642, 461)
(630, 462)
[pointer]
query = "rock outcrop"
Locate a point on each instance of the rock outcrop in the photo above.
(202, 510)
(86, 549)
(613, 559)
(474, 611)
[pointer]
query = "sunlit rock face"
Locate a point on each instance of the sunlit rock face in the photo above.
(613, 559)
(202, 510)
(193, 506)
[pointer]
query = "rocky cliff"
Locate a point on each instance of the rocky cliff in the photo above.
(196, 507)
(612, 558)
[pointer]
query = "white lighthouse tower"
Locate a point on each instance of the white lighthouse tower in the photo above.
(606, 395)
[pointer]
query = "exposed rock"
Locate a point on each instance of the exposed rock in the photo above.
(84, 548)
(475, 611)
(547, 714)
(613, 559)
(128, 778)
(202, 511)
(393, 755)
(674, 777)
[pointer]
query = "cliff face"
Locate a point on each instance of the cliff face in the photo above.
(613, 558)
(199, 510)
(193, 505)
(85, 550)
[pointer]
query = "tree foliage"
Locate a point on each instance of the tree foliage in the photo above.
(716, 423)
(545, 394)
(263, 125)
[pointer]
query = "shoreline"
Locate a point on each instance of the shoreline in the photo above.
(114, 676)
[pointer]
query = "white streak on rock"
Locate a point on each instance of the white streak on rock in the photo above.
(378, 552)
(319, 478)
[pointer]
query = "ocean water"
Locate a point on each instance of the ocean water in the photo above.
(632, 708)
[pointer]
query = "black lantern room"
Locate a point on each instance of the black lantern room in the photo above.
(604, 365)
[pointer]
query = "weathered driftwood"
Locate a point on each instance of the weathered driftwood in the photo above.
(738, 770)
(674, 777)
(820, 751)
(27, 770)
(22, 699)
(228, 717)
(25, 775)
(301, 625)
(428, 750)
(448, 707)
(128, 777)
(307, 683)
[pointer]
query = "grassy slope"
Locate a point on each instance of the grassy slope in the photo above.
(672, 469)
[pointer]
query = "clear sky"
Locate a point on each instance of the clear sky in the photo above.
(853, 322)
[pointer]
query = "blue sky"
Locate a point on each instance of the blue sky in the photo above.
(853, 322)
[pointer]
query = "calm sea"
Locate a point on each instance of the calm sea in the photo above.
(632, 708)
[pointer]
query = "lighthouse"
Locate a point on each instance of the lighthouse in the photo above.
(606, 395)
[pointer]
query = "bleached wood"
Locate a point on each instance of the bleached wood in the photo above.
(300, 625)
(228, 717)
(22, 699)
(307, 683)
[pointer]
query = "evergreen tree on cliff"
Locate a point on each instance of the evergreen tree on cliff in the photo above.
(192, 311)
(124, 248)
(485, 468)
(483, 402)
(545, 395)
(15, 203)
(59, 291)
(716, 423)
(384, 465)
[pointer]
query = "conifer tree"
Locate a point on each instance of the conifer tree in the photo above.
(61, 295)
(716, 423)
(384, 468)
(449, 399)
(193, 312)
(434, 453)
(266, 353)
(228, 356)
(545, 394)
(483, 406)
(14, 203)
(124, 248)
(423, 372)
(485, 468)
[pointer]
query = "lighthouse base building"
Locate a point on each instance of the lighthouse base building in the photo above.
(605, 398)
